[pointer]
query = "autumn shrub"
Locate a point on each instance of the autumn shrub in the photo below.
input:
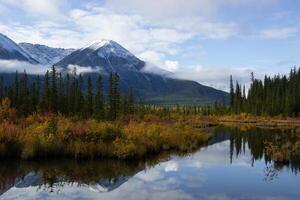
(54, 136)
(6, 112)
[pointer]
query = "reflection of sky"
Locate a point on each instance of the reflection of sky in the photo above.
(206, 174)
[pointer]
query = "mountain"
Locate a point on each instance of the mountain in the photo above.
(9, 50)
(45, 55)
(155, 86)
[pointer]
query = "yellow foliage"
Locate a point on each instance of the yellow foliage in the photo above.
(44, 136)
(6, 112)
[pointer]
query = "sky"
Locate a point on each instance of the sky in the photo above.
(201, 40)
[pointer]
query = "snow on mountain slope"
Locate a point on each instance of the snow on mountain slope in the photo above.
(46, 55)
(107, 49)
(106, 54)
(9, 50)
(150, 83)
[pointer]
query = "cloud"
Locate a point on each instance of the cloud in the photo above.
(3, 9)
(83, 69)
(171, 65)
(216, 77)
(11, 66)
(171, 166)
(157, 60)
(279, 33)
(164, 10)
(49, 8)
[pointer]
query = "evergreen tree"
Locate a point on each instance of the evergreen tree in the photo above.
(53, 93)
(130, 100)
(231, 92)
(117, 95)
(15, 91)
(90, 97)
(114, 96)
(1, 87)
(99, 99)
(47, 93)
(23, 99)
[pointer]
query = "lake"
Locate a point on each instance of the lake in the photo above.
(234, 165)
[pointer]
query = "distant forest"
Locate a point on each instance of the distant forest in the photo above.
(71, 95)
(66, 95)
(279, 95)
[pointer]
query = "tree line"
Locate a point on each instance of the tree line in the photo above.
(68, 94)
(278, 95)
(73, 95)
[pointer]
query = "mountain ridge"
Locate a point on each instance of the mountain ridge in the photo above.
(111, 57)
(153, 85)
(9, 50)
(45, 55)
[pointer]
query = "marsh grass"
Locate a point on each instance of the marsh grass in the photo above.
(57, 136)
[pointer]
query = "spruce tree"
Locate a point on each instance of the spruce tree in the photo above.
(111, 96)
(130, 100)
(99, 99)
(53, 94)
(46, 93)
(231, 92)
(90, 97)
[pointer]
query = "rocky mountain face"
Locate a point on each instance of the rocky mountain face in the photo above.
(45, 55)
(9, 50)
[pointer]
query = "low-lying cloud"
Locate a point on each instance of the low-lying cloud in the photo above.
(217, 77)
(83, 69)
(9, 66)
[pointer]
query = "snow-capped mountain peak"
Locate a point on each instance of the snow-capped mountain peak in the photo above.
(108, 48)
(106, 54)
(99, 44)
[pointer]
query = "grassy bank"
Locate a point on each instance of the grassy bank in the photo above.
(258, 121)
(56, 136)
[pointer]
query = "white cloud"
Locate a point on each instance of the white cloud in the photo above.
(10, 66)
(152, 57)
(83, 69)
(171, 166)
(49, 8)
(216, 77)
(279, 33)
(155, 60)
(171, 65)
(164, 10)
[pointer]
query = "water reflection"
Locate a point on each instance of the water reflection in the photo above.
(278, 148)
(100, 175)
(235, 165)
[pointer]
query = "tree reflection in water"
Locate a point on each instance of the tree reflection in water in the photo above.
(279, 148)
(102, 175)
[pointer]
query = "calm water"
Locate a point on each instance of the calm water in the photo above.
(232, 166)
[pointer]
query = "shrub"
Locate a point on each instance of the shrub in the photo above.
(59, 136)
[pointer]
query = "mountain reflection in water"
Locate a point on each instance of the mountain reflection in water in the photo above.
(237, 164)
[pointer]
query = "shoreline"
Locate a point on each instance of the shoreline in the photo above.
(47, 137)
(262, 122)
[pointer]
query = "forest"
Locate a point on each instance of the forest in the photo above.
(72, 95)
(278, 95)
(66, 95)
